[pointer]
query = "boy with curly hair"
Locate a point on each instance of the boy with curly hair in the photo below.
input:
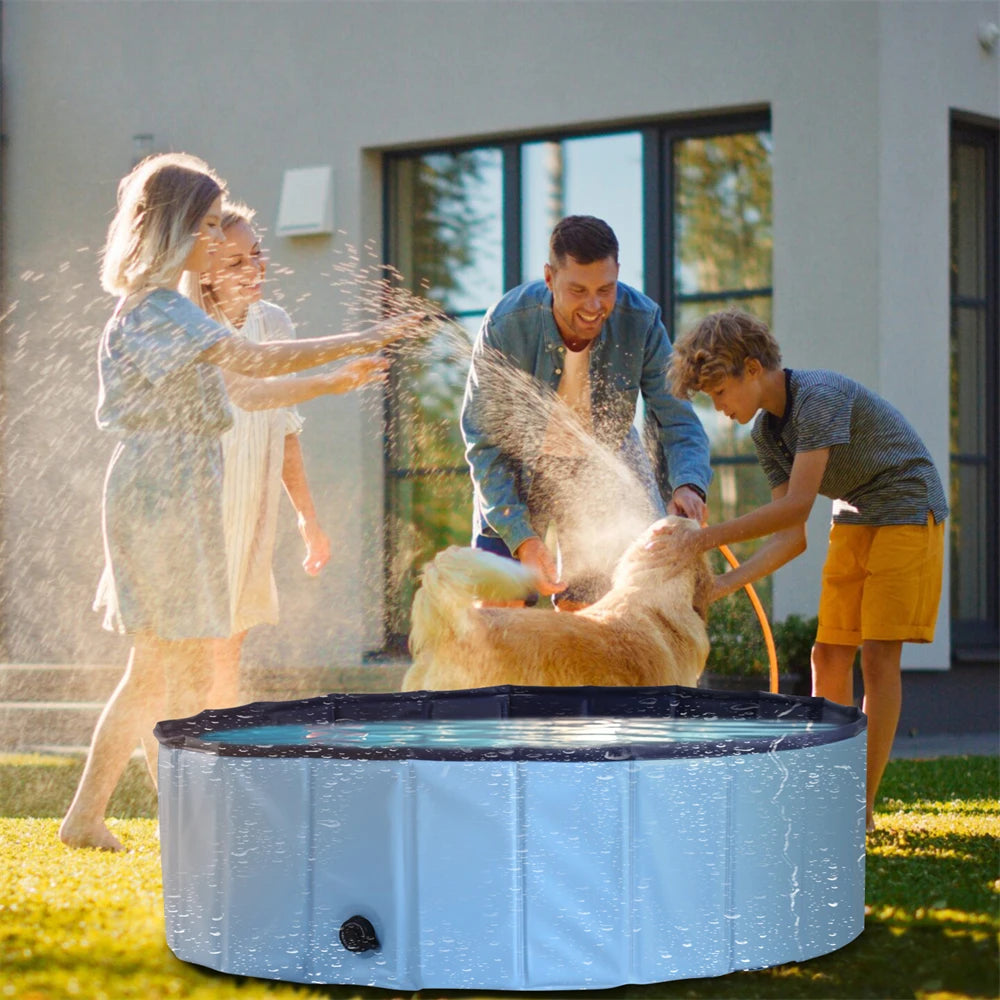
(818, 432)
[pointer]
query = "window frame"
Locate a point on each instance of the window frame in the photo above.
(979, 639)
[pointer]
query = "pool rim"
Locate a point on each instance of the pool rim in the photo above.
(511, 701)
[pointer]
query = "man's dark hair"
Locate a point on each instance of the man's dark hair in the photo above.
(583, 238)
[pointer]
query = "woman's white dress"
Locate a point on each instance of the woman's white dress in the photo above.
(253, 452)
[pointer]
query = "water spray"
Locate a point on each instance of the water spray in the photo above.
(383, 292)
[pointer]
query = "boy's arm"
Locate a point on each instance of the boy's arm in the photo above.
(784, 518)
(788, 510)
(781, 547)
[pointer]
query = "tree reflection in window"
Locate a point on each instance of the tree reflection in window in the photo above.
(723, 247)
(973, 423)
(446, 244)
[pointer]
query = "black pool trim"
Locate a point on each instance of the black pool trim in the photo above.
(511, 702)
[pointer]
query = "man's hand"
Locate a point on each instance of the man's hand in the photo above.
(533, 553)
(686, 503)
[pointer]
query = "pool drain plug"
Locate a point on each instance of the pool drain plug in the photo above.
(357, 934)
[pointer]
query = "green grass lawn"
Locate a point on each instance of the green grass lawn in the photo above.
(89, 925)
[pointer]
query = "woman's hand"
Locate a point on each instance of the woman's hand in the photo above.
(317, 546)
(360, 372)
(394, 328)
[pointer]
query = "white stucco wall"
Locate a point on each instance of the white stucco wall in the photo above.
(859, 96)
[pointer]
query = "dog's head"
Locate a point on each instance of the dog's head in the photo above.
(664, 554)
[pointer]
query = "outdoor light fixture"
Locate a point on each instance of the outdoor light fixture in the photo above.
(306, 205)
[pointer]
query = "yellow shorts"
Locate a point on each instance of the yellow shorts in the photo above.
(881, 583)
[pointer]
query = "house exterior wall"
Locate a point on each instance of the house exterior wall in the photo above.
(859, 94)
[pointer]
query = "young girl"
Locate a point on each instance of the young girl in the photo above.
(162, 395)
(261, 451)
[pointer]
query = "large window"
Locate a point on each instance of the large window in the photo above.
(690, 203)
(446, 238)
(974, 388)
(718, 223)
(571, 177)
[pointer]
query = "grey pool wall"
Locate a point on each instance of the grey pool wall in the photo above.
(508, 870)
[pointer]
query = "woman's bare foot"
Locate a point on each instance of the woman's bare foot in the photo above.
(99, 837)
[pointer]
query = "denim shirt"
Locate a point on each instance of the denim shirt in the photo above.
(628, 358)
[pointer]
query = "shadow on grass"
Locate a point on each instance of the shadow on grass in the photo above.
(884, 963)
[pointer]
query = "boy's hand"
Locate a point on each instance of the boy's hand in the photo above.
(685, 544)
(719, 588)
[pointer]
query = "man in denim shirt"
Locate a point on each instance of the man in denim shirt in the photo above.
(557, 369)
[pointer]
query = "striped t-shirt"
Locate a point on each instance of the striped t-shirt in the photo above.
(878, 468)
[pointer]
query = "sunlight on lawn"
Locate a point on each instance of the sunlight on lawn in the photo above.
(90, 924)
(935, 863)
(36, 760)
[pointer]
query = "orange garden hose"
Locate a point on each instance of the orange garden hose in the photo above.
(765, 626)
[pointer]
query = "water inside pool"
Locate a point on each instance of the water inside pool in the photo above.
(593, 731)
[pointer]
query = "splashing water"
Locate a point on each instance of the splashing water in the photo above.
(55, 457)
(604, 505)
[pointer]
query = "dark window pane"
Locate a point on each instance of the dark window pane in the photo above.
(969, 511)
(968, 221)
(428, 383)
(722, 212)
(447, 235)
(430, 513)
(689, 313)
(446, 242)
(597, 175)
(969, 374)
(973, 413)
(722, 259)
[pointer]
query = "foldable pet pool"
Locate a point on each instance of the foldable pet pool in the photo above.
(513, 838)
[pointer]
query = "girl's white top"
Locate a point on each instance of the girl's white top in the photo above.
(253, 452)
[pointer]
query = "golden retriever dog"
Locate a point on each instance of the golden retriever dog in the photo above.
(649, 629)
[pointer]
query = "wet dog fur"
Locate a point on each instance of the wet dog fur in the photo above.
(649, 629)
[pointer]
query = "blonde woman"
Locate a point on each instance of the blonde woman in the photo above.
(163, 397)
(261, 451)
